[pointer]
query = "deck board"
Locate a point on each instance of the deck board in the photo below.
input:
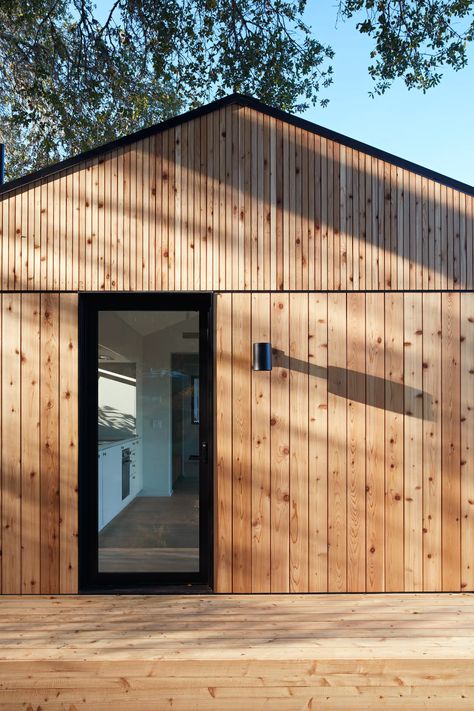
(348, 651)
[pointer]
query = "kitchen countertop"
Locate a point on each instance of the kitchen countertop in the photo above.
(107, 443)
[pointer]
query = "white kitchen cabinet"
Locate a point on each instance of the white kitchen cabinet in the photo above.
(111, 483)
(110, 479)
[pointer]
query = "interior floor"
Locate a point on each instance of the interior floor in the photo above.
(154, 533)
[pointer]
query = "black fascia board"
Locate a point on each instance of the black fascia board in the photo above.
(250, 102)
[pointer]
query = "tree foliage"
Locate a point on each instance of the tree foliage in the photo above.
(73, 77)
(71, 82)
(413, 40)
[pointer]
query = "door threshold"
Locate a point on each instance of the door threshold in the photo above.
(197, 589)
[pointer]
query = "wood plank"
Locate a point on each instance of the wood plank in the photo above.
(170, 261)
(113, 206)
(385, 224)
(67, 256)
(355, 227)
(425, 237)
(450, 239)
(394, 442)
(56, 244)
(413, 351)
(229, 232)
(236, 232)
(375, 488)
(202, 243)
(336, 243)
(296, 194)
(11, 443)
(152, 207)
(324, 215)
(261, 477)
(292, 221)
(266, 203)
(213, 201)
(361, 220)
(68, 444)
(280, 445)
(145, 257)
(224, 458)
(393, 228)
(81, 229)
(49, 436)
(337, 455)
(345, 241)
(402, 205)
(4, 242)
(312, 229)
(356, 385)
(95, 235)
(220, 284)
(37, 237)
(437, 237)
(273, 211)
(191, 212)
(467, 447)
(431, 235)
(28, 231)
(246, 199)
(30, 443)
(121, 187)
(102, 225)
(469, 242)
(450, 455)
(318, 442)
(432, 442)
(241, 444)
(299, 513)
(165, 189)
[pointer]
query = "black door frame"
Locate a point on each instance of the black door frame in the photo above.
(90, 579)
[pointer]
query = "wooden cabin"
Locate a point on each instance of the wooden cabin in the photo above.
(141, 445)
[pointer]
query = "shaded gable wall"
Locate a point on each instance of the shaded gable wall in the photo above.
(350, 466)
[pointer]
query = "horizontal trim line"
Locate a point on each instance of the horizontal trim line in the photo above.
(239, 291)
(257, 105)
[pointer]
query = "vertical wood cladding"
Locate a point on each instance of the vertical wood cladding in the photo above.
(350, 466)
(236, 200)
(39, 443)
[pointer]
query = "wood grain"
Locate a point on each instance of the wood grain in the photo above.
(233, 196)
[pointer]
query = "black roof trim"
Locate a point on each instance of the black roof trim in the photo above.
(252, 103)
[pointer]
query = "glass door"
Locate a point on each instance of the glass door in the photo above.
(145, 440)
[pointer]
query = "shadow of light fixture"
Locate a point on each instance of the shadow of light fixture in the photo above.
(262, 356)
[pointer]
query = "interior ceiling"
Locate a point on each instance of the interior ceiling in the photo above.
(147, 322)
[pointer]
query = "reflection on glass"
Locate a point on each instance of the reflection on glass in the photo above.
(148, 432)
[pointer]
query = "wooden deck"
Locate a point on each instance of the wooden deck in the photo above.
(237, 653)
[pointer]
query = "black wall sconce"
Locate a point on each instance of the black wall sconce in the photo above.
(262, 356)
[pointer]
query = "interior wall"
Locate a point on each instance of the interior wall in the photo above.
(157, 403)
(350, 466)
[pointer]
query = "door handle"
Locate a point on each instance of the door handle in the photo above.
(204, 456)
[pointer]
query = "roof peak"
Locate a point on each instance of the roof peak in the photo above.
(246, 101)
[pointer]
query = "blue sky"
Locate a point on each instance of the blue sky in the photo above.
(435, 129)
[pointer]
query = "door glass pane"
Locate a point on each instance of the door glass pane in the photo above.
(148, 441)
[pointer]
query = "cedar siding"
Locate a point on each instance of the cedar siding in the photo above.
(349, 467)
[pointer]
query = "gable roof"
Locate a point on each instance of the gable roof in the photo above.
(241, 100)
